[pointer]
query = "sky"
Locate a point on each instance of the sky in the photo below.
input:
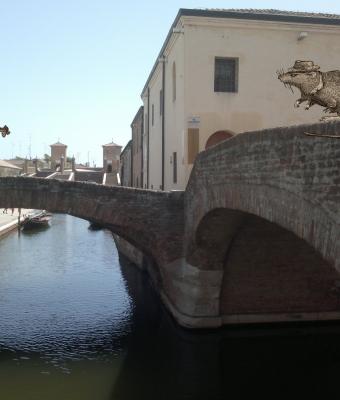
(73, 70)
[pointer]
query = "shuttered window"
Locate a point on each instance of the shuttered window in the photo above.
(193, 144)
(226, 75)
(173, 81)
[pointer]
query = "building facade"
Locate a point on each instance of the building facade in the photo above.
(126, 165)
(137, 127)
(215, 77)
(111, 157)
(58, 152)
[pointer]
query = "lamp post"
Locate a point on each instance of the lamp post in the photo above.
(4, 131)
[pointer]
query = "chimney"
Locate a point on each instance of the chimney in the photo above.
(26, 166)
(62, 164)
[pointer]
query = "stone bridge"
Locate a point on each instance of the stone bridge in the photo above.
(152, 221)
(254, 238)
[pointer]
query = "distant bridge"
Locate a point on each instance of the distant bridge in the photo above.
(254, 238)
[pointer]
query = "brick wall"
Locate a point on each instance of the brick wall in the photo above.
(280, 175)
(150, 220)
(270, 270)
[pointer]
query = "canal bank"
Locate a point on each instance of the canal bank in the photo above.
(9, 221)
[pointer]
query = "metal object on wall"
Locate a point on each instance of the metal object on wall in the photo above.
(5, 131)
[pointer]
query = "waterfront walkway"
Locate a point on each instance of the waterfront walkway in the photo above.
(9, 220)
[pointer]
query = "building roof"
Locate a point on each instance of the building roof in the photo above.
(126, 148)
(139, 113)
(270, 13)
(58, 144)
(248, 14)
(6, 164)
(16, 161)
(111, 144)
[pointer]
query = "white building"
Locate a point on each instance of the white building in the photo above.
(215, 76)
(8, 169)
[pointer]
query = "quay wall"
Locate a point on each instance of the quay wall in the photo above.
(9, 227)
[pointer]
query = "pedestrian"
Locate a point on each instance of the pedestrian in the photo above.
(12, 211)
(5, 211)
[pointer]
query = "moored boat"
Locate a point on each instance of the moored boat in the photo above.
(37, 220)
(95, 227)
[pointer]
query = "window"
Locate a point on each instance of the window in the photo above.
(174, 167)
(161, 102)
(146, 122)
(174, 81)
(193, 144)
(226, 75)
(152, 114)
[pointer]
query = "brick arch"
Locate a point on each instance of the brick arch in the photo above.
(218, 137)
(279, 176)
(274, 175)
(265, 269)
(128, 212)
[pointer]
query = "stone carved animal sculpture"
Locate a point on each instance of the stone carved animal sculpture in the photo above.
(316, 87)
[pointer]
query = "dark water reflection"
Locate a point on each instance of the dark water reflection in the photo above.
(75, 323)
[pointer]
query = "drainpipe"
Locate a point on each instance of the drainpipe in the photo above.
(142, 154)
(163, 60)
(148, 143)
(131, 172)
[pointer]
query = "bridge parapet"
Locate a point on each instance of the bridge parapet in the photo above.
(151, 220)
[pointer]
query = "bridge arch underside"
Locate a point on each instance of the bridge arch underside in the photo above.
(267, 272)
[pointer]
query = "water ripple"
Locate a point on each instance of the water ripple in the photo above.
(62, 295)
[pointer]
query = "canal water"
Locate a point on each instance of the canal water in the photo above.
(76, 322)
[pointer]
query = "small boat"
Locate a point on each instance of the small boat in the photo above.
(36, 220)
(95, 227)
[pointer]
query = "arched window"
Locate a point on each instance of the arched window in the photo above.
(217, 137)
(173, 81)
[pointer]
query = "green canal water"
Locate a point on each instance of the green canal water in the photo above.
(76, 322)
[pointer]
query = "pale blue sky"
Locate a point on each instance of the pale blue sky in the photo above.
(74, 69)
